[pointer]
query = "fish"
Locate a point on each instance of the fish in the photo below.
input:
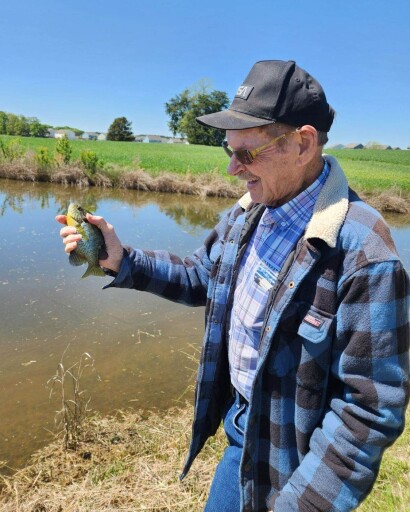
(91, 243)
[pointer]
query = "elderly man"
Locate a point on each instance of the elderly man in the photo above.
(305, 352)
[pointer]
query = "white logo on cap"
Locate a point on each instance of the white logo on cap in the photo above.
(244, 91)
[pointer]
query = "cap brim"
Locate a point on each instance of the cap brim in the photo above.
(232, 120)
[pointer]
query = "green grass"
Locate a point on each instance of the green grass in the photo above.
(391, 492)
(178, 158)
(367, 169)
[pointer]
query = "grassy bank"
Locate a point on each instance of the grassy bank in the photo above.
(132, 462)
(383, 177)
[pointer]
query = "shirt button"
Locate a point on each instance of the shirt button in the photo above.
(248, 467)
(231, 241)
(291, 284)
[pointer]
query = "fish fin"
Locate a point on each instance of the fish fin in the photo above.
(94, 270)
(75, 259)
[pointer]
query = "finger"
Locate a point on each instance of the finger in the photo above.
(72, 238)
(62, 219)
(67, 230)
(70, 247)
(100, 222)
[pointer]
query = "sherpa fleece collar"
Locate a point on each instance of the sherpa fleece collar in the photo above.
(330, 209)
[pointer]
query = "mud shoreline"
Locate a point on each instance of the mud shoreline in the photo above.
(212, 184)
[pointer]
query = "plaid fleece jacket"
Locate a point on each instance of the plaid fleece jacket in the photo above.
(331, 384)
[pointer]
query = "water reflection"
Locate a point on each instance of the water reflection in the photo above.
(138, 341)
(185, 210)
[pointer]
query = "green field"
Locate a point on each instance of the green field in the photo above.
(369, 169)
(366, 169)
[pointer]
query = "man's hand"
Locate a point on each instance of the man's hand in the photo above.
(110, 259)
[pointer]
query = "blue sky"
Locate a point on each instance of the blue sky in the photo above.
(84, 62)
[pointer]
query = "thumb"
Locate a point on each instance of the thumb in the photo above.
(100, 222)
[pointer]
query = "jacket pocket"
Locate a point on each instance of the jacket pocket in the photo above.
(303, 345)
(316, 337)
(316, 326)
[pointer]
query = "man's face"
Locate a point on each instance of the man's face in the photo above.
(273, 178)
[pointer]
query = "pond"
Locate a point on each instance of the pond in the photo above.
(144, 347)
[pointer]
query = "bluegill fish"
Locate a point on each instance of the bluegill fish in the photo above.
(89, 246)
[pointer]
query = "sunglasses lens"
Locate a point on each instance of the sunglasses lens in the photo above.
(244, 156)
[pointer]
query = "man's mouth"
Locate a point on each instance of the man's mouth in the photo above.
(249, 179)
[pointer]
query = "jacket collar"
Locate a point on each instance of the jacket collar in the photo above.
(330, 209)
(331, 206)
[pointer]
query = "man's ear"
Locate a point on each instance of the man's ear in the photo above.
(307, 140)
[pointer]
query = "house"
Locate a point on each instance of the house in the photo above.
(90, 135)
(154, 139)
(177, 140)
(102, 136)
(354, 145)
(59, 134)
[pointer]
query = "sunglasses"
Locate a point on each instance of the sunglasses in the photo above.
(247, 156)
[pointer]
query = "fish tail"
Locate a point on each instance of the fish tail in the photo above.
(93, 270)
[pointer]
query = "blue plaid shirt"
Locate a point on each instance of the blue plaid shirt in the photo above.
(276, 235)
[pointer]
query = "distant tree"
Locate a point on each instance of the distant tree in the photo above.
(77, 131)
(120, 129)
(18, 125)
(37, 129)
(176, 107)
(3, 123)
(185, 107)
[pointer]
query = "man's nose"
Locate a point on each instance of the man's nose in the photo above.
(235, 167)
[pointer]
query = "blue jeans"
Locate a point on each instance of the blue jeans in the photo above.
(224, 495)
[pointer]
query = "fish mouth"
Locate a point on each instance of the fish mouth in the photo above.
(77, 212)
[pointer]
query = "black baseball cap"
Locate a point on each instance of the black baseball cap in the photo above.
(275, 91)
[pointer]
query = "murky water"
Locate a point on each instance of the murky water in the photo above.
(141, 344)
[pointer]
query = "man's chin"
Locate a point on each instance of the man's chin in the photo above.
(255, 191)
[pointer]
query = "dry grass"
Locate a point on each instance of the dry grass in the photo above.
(131, 462)
(127, 463)
(18, 170)
(211, 183)
(392, 200)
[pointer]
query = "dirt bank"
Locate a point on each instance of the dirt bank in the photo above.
(211, 184)
(132, 462)
(128, 462)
